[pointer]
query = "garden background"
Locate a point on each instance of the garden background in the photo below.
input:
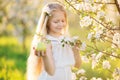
(96, 22)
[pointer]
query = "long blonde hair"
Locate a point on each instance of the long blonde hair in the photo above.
(34, 63)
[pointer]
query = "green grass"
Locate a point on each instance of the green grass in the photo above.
(12, 59)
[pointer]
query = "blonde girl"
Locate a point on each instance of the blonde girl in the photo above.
(56, 62)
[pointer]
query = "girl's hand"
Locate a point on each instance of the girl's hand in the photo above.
(39, 53)
(77, 45)
(42, 52)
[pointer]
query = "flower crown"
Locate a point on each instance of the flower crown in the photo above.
(47, 10)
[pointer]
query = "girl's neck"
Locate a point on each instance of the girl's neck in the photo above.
(55, 35)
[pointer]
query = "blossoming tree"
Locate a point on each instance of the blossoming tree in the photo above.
(101, 52)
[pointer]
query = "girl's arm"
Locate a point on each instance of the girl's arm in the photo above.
(77, 57)
(47, 58)
(49, 61)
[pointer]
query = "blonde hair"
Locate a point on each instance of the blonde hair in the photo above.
(34, 63)
(46, 14)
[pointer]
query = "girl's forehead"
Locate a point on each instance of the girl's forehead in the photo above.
(58, 14)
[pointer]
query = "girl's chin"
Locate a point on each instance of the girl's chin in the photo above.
(59, 33)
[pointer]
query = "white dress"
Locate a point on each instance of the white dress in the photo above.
(63, 58)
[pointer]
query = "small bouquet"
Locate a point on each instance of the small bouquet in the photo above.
(74, 41)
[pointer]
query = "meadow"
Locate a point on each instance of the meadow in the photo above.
(12, 59)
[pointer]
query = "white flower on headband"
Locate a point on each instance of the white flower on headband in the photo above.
(47, 10)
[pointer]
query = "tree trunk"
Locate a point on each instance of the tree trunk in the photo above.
(113, 15)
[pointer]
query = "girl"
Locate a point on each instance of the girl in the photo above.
(55, 63)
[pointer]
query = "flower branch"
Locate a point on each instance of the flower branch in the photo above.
(104, 52)
(118, 6)
(99, 2)
(80, 12)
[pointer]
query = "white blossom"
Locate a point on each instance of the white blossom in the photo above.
(113, 46)
(94, 61)
(99, 6)
(74, 38)
(89, 1)
(117, 71)
(117, 78)
(116, 39)
(100, 14)
(83, 46)
(93, 56)
(73, 76)
(116, 74)
(87, 7)
(90, 35)
(98, 34)
(66, 39)
(106, 1)
(69, 0)
(99, 55)
(94, 78)
(83, 78)
(47, 10)
(85, 59)
(86, 21)
(98, 0)
(106, 64)
(94, 64)
(99, 78)
(112, 57)
(79, 6)
(93, 9)
(81, 71)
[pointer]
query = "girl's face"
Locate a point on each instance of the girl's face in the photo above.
(57, 23)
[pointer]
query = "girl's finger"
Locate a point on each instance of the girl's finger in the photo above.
(33, 48)
(36, 52)
(39, 53)
(43, 53)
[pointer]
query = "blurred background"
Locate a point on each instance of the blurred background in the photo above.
(18, 20)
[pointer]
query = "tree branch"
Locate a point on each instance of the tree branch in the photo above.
(79, 12)
(118, 6)
(98, 2)
(103, 3)
(111, 42)
(104, 52)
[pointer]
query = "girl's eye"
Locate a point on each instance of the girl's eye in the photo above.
(63, 21)
(56, 22)
(59, 21)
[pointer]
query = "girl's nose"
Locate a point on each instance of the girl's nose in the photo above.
(61, 24)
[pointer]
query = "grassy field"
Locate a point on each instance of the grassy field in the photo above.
(12, 59)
